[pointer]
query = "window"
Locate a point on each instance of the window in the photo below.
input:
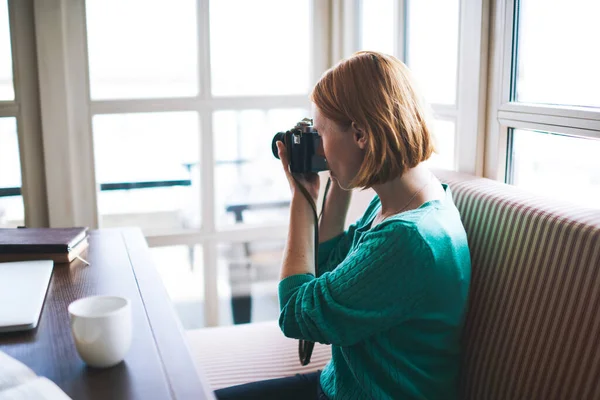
(377, 26)
(157, 59)
(11, 201)
(182, 272)
(445, 135)
(180, 111)
(7, 91)
(555, 56)
(182, 121)
(551, 109)
(556, 165)
(432, 54)
(147, 170)
(439, 60)
(248, 273)
(247, 276)
(260, 47)
(250, 187)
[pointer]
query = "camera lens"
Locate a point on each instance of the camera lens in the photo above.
(278, 137)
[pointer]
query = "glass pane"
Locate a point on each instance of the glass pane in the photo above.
(433, 53)
(562, 167)
(557, 63)
(249, 181)
(147, 170)
(377, 25)
(260, 47)
(11, 202)
(248, 279)
(7, 91)
(182, 272)
(141, 49)
(444, 132)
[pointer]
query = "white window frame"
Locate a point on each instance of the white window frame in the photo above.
(68, 110)
(468, 112)
(25, 109)
(504, 114)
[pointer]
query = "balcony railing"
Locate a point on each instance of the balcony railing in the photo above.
(16, 191)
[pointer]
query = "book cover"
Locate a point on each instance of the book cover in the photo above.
(58, 258)
(40, 240)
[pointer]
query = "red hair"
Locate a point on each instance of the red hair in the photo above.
(376, 92)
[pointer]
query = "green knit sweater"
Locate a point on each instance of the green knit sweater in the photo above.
(390, 300)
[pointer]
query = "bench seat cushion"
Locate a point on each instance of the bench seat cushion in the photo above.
(238, 354)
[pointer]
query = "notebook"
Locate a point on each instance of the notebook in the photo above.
(59, 244)
(23, 287)
(40, 240)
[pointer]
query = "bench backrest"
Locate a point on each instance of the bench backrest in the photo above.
(533, 324)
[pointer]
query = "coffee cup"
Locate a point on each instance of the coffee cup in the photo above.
(102, 329)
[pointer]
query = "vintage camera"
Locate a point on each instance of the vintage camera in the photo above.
(302, 143)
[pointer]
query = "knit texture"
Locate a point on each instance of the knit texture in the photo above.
(390, 300)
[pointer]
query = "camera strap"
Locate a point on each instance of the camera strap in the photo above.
(305, 347)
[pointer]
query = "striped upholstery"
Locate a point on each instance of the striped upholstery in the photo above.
(533, 325)
(233, 355)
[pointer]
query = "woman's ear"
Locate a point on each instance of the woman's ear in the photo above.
(359, 136)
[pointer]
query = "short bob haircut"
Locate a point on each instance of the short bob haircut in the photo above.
(376, 92)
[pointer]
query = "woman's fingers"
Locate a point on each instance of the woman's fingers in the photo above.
(283, 157)
(308, 180)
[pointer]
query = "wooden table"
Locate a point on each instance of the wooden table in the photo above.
(158, 365)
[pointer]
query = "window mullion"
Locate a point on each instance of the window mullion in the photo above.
(320, 19)
(204, 73)
(444, 111)
(569, 129)
(500, 48)
(231, 234)
(564, 111)
(207, 185)
(557, 122)
(472, 85)
(9, 108)
(401, 30)
(196, 104)
(509, 23)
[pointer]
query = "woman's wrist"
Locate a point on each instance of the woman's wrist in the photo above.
(299, 201)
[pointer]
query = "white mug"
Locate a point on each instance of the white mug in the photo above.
(101, 328)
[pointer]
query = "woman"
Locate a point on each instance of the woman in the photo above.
(391, 291)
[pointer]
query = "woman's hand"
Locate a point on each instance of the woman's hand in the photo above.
(310, 181)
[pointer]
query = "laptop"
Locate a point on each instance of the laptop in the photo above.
(23, 287)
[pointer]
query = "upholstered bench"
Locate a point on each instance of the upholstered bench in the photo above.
(533, 324)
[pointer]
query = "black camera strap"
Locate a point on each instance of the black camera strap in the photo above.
(305, 347)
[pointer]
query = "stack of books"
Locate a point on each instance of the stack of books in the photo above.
(62, 245)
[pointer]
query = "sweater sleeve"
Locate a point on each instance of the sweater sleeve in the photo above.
(378, 285)
(332, 252)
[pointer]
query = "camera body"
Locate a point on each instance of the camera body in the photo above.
(301, 143)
